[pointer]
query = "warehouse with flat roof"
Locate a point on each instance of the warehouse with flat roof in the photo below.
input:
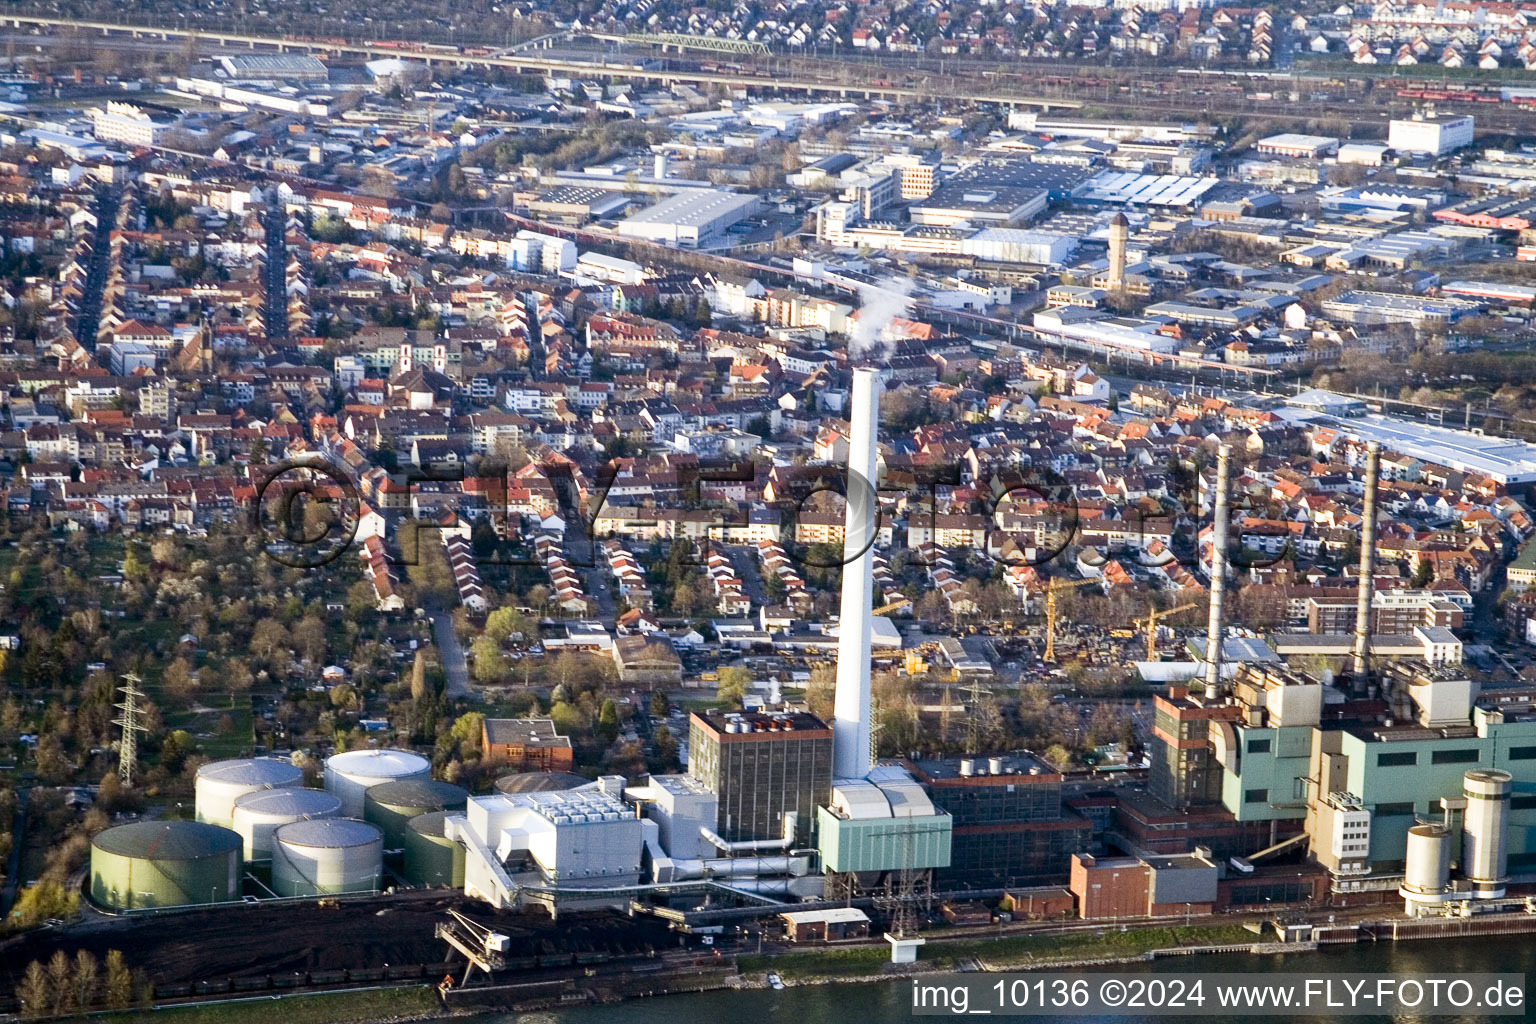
(292, 66)
(1506, 461)
(690, 219)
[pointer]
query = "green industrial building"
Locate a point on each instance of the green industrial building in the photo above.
(860, 845)
(1402, 773)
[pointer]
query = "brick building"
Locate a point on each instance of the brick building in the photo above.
(528, 744)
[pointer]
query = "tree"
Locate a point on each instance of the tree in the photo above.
(87, 979)
(608, 721)
(819, 692)
(178, 679)
(489, 666)
(309, 639)
(659, 704)
(61, 990)
(466, 731)
(1424, 573)
(33, 992)
(419, 676)
(507, 623)
(268, 639)
(734, 680)
(236, 677)
(666, 749)
(42, 901)
(119, 988)
(567, 718)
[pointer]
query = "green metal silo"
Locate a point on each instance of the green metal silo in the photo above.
(430, 857)
(391, 805)
(164, 864)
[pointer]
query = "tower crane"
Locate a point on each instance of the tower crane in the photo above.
(1051, 589)
(1150, 624)
(894, 606)
(483, 947)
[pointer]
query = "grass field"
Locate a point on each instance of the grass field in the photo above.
(330, 1008)
(202, 719)
(940, 954)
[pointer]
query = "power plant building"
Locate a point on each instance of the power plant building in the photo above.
(883, 823)
(1010, 827)
(760, 767)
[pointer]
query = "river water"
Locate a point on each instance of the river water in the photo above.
(890, 1000)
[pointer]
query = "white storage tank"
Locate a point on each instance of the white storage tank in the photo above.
(349, 776)
(1428, 868)
(325, 856)
(1484, 856)
(258, 815)
(220, 783)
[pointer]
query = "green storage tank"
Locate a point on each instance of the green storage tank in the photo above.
(164, 864)
(431, 858)
(391, 805)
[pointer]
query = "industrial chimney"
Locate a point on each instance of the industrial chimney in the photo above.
(660, 167)
(1215, 624)
(850, 710)
(1119, 237)
(1367, 582)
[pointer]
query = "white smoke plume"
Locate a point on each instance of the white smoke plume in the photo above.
(879, 304)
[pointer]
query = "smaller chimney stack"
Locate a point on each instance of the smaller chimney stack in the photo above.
(1215, 627)
(1367, 582)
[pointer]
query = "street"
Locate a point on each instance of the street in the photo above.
(452, 653)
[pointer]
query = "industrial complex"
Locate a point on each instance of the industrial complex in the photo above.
(1385, 776)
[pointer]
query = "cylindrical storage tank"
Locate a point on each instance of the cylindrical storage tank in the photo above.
(1484, 858)
(392, 805)
(1428, 867)
(164, 864)
(350, 775)
(430, 857)
(258, 815)
(220, 783)
(538, 782)
(326, 855)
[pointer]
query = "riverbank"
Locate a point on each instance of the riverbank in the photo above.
(372, 1006)
(813, 967)
(1109, 944)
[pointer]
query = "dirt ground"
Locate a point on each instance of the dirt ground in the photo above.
(397, 930)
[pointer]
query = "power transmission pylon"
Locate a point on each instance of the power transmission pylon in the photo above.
(944, 717)
(907, 895)
(974, 693)
(128, 748)
(876, 727)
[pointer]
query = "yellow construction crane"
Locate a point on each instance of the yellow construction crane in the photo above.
(1150, 624)
(1051, 590)
(894, 606)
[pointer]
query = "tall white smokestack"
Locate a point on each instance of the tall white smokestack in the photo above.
(850, 711)
(1367, 582)
(1215, 624)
